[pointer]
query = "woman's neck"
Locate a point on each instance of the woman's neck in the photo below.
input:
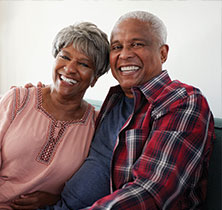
(63, 109)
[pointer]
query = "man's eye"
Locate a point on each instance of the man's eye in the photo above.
(65, 57)
(137, 44)
(116, 47)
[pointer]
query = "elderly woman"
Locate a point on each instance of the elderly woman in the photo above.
(45, 133)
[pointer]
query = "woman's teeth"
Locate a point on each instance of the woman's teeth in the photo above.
(68, 80)
(129, 68)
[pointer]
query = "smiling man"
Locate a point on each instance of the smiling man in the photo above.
(153, 136)
(161, 153)
(136, 54)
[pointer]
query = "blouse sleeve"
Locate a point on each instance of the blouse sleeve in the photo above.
(7, 113)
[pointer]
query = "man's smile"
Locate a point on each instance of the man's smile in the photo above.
(129, 68)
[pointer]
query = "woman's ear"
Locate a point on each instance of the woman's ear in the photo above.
(164, 52)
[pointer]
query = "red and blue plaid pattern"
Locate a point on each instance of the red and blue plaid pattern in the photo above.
(162, 152)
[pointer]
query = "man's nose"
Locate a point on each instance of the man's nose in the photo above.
(126, 53)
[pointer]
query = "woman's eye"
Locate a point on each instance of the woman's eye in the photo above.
(65, 57)
(84, 64)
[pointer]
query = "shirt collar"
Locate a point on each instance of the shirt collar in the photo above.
(155, 86)
(150, 89)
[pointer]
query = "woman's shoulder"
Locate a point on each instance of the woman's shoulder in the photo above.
(12, 93)
(8, 96)
(25, 93)
(23, 96)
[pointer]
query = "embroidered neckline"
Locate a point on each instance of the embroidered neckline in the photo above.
(60, 122)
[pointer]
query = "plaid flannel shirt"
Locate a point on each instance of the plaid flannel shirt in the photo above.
(162, 153)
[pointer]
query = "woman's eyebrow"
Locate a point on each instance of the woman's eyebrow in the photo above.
(66, 52)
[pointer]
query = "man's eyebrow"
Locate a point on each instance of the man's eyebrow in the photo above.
(145, 41)
(133, 39)
(114, 42)
(139, 39)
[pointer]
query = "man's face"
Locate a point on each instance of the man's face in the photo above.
(135, 55)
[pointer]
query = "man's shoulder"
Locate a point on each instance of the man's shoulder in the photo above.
(179, 89)
(175, 93)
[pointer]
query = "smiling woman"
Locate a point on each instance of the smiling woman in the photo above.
(73, 73)
(54, 121)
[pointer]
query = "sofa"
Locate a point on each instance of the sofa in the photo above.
(214, 199)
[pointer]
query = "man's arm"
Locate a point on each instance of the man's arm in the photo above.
(88, 184)
(171, 160)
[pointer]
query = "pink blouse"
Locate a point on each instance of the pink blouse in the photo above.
(36, 151)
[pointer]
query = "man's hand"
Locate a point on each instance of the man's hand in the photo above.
(29, 85)
(34, 200)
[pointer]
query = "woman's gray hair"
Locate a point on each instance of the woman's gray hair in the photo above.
(156, 25)
(87, 38)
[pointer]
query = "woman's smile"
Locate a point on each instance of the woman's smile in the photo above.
(67, 80)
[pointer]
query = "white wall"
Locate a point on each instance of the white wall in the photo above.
(27, 28)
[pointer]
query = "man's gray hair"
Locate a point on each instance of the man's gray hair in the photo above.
(156, 25)
(88, 39)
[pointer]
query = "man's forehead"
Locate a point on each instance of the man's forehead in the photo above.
(131, 29)
(131, 25)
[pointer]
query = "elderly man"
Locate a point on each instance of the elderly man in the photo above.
(154, 135)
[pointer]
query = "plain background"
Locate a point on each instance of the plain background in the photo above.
(27, 28)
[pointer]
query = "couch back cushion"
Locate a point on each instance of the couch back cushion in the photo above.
(215, 175)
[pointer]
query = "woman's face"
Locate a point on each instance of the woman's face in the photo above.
(73, 73)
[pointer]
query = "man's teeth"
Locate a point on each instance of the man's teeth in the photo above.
(70, 81)
(129, 68)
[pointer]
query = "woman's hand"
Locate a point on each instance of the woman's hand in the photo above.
(34, 200)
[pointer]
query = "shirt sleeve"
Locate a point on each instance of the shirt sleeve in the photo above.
(172, 157)
(7, 112)
(85, 187)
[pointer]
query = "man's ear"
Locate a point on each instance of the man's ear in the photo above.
(94, 81)
(164, 52)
